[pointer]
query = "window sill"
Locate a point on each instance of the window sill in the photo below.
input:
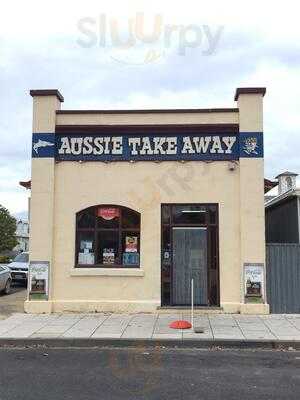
(107, 272)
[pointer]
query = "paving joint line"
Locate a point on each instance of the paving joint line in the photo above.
(210, 326)
(273, 332)
(293, 325)
(72, 326)
(81, 320)
(98, 326)
(60, 335)
(240, 328)
(268, 328)
(43, 326)
(10, 329)
(132, 317)
(154, 325)
(102, 324)
(15, 326)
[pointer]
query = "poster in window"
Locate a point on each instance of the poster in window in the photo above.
(86, 258)
(166, 257)
(131, 258)
(86, 255)
(38, 282)
(108, 213)
(131, 244)
(254, 279)
(108, 256)
(86, 244)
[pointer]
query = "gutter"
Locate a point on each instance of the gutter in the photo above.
(277, 199)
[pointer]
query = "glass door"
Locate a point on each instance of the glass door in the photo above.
(189, 262)
(190, 248)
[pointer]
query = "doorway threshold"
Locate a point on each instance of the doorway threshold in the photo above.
(197, 309)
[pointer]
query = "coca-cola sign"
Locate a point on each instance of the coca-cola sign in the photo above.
(108, 213)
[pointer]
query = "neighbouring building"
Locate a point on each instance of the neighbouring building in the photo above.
(282, 214)
(129, 206)
(22, 235)
(283, 211)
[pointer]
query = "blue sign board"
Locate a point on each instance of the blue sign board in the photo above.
(148, 147)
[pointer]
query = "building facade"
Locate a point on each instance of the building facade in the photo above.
(283, 211)
(129, 207)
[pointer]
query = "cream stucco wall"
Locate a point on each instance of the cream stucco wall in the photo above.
(61, 189)
(147, 118)
(252, 211)
(143, 187)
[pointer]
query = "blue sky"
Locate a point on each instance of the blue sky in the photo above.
(43, 46)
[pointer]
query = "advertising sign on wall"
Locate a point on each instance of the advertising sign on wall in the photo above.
(254, 280)
(108, 213)
(148, 147)
(38, 280)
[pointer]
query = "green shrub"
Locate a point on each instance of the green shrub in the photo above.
(4, 259)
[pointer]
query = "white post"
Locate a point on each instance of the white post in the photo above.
(192, 303)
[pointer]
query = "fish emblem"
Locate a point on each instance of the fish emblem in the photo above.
(41, 143)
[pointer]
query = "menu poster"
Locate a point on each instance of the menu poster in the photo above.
(254, 279)
(86, 255)
(131, 244)
(38, 282)
(86, 258)
(108, 256)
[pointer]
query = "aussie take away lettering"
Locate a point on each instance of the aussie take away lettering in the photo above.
(150, 146)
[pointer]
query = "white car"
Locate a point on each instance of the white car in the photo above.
(5, 279)
(19, 268)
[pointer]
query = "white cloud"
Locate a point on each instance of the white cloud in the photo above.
(39, 49)
(277, 20)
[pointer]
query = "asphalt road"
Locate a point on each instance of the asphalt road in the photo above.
(13, 302)
(148, 374)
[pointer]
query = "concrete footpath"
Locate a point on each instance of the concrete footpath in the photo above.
(270, 331)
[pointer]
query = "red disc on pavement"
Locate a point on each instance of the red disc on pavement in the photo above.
(181, 324)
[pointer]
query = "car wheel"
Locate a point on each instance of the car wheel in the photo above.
(7, 286)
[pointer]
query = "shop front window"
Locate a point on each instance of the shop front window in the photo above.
(108, 236)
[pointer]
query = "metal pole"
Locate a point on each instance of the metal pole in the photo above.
(192, 303)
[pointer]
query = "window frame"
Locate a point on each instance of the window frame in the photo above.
(95, 230)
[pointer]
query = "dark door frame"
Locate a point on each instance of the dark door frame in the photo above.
(211, 280)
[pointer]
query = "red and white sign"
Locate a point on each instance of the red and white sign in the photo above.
(108, 212)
